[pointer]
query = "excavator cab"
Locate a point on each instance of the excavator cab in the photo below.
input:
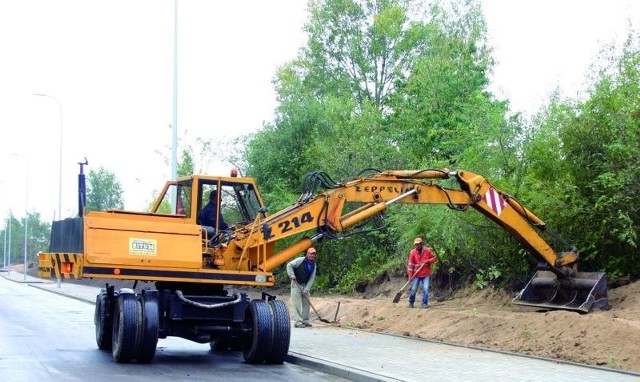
(581, 293)
(237, 199)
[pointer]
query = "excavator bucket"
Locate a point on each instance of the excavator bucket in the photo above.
(585, 291)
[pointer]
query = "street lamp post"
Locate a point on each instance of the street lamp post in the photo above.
(4, 245)
(9, 246)
(60, 164)
(26, 210)
(4, 258)
(174, 144)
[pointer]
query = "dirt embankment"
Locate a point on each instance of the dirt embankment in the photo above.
(488, 319)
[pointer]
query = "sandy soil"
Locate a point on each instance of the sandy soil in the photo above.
(488, 319)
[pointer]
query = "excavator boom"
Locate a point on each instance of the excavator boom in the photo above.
(557, 285)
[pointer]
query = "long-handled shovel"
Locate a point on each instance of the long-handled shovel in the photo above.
(311, 305)
(399, 294)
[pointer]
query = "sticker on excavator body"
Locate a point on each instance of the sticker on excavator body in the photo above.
(146, 247)
(495, 201)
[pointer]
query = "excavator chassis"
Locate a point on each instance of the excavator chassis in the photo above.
(129, 323)
(581, 293)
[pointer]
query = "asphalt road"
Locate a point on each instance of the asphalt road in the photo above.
(47, 337)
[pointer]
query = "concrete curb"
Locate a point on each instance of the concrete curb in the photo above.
(335, 369)
(23, 280)
(61, 293)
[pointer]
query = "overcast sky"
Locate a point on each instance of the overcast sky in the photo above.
(110, 66)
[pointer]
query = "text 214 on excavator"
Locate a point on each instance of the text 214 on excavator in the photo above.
(190, 264)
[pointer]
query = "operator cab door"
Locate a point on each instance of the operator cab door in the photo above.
(204, 195)
(237, 202)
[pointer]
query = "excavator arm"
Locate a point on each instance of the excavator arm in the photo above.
(326, 213)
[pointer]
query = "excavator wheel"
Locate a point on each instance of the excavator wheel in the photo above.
(281, 332)
(125, 326)
(148, 305)
(104, 324)
(258, 345)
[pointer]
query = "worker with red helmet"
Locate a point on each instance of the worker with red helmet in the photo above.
(419, 270)
(302, 272)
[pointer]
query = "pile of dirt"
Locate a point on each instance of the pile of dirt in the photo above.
(486, 319)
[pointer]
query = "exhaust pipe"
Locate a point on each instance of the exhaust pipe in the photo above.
(582, 293)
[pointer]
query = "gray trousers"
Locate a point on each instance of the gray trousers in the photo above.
(299, 304)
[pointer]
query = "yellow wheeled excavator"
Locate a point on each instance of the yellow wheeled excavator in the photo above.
(193, 268)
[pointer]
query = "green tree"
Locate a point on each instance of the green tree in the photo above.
(104, 191)
(38, 234)
(14, 238)
(442, 112)
(383, 84)
(581, 164)
(334, 97)
(601, 147)
(185, 164)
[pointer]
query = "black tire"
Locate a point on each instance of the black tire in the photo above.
(149, 326)
(281, 332)
(258, 345)
(125, 327)
(104, 323)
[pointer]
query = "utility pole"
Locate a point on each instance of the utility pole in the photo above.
(60, 160)
(174, 125)
(9, 246)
